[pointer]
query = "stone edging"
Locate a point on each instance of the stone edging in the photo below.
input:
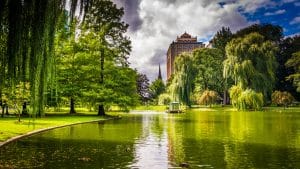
(47, 129)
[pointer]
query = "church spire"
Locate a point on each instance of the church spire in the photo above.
(159, 73)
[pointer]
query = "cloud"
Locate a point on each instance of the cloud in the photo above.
(247, 6)
(296, 20)
(131, 15)
(293, 35)
(297, 4)
(156, 23)
(289, 1)
(157, 58)
(278, 12)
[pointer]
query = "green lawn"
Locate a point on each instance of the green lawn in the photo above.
(151, 107)
(218, 108)
(10, 127)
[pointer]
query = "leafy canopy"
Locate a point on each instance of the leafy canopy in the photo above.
(251, 63)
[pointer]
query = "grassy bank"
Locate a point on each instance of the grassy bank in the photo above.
(227, 108)
(151, 107)
(10, 127)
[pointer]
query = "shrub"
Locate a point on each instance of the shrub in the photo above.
(248, 99)
(164, 99)
(234, 93)
(282, 98)
(208, 97)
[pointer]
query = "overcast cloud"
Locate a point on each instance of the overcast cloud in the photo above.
(154, 24)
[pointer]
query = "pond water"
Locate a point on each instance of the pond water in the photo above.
(158, 141)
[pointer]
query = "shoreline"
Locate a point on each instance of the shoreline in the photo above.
(12, 139)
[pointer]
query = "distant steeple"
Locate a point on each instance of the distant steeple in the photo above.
(159, 73)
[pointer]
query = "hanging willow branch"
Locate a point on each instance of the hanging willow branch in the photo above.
(27, 30)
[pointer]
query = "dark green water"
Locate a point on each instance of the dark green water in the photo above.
(158, 141)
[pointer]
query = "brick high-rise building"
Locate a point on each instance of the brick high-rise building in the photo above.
(184, 43)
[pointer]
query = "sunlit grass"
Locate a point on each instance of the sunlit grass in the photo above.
(151, 107)
(10, 127)
(229, 108)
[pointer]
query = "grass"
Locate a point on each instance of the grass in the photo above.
(10, 127)
(151, 107)
(227, 108)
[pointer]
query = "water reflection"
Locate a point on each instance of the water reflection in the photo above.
(156, 140)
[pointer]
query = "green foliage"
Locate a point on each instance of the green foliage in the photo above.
(294, 63)
(282, 98)
(105, 20)
(221, 38)
(157, 87)
(202, 69)
(182, 81)
(268, 31)
(120, 87)
(235, 92)
(208, 97)
(247, 99)
(287, 47)
(92, 67)
(143, 88)
(164, 99)
(28, 29)
(207, 65)
(251, 63)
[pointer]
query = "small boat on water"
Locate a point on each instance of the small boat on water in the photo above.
(174, 107)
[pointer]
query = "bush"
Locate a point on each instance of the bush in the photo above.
(164, 99)
(208, 97)
(234, 93)
(248, 99)
(282, 98)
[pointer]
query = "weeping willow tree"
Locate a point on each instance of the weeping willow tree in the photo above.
(251, 63)
(182, 83)
(294, 62)
(27, 37)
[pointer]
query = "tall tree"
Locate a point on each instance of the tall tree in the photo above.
(69, 67)
(221, 38)
(208, 67)
(268, 31)
(251, 63)
(182, 82)
(219, 41)
(29, 27)
(294, 62)
(157, 87)
(287, 47)
(104, 19)
(143, 87)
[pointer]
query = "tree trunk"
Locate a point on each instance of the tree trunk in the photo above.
(24, 109)
(6, 109)
(2, 115)
(225, 97)
(101, 111)
(72, 106)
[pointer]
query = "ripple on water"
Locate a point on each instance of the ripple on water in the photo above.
(157, 140)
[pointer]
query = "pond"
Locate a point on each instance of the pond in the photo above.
(152, 140)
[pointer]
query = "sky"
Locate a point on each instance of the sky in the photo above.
(154, 24)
